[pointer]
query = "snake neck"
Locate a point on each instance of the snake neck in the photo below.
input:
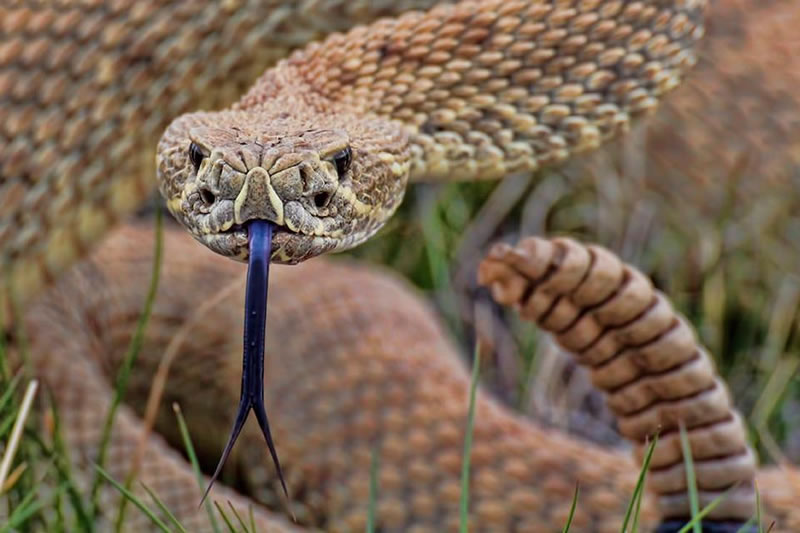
(484, 89)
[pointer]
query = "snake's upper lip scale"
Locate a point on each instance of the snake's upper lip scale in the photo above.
(259, 233)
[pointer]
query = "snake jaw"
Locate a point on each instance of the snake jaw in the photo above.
(287, 247)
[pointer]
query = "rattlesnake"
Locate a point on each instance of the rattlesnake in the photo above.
(120, 61)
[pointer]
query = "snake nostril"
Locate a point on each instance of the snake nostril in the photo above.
(321, 199)
(207, 196)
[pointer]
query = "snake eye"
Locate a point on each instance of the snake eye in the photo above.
(195, 156)
(342, 160)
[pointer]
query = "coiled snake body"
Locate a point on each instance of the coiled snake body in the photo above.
(323, 146)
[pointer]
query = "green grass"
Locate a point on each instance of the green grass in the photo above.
(372, 503)
(572, 508)
(463, 507)
(189, 447)
(738, 288)
(130, 496)
(239, 519)
(164, 509)
(121, 382)
(695, 524)
(691, 479)
(634, 505)
(156, 520)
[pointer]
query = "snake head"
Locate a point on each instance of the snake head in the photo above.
(324, 187)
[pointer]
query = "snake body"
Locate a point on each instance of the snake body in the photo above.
(378, 372)
(469, 91)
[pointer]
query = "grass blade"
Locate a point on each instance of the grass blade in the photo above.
(164, 509)
(187, 444)
(758, 512)
(697, 520)
(123, 374)
(13, 477)
(373, 490)
(7, 422)
(637, 492)
(571, 510)
(238, 517)
(224, 517)
(16, 431)
(10, 388)
(637, 511)
(465, 465)
(5, 372)
(64, 472)
(746, 526)
(691, 480)
(132, 497)
(24, 510)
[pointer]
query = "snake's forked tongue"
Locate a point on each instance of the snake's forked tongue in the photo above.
(259, 234)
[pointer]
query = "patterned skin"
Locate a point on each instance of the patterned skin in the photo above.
(87, 88)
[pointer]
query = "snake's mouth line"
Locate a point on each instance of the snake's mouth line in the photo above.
(288, 246)
(240, 231)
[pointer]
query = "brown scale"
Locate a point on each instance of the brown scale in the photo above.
(642, 353)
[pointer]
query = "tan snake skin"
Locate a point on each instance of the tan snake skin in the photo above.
(85, 90)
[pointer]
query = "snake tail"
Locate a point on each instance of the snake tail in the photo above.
(255, 319)
(646, 358)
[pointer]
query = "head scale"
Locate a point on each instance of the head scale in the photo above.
(325, 183)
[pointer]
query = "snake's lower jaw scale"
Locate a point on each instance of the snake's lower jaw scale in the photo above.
(288, 248)
(231, 244)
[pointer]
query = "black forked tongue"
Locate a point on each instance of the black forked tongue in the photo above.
(259, 234)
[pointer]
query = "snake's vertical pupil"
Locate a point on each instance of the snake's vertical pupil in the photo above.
(195, 156)
(342, 160)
